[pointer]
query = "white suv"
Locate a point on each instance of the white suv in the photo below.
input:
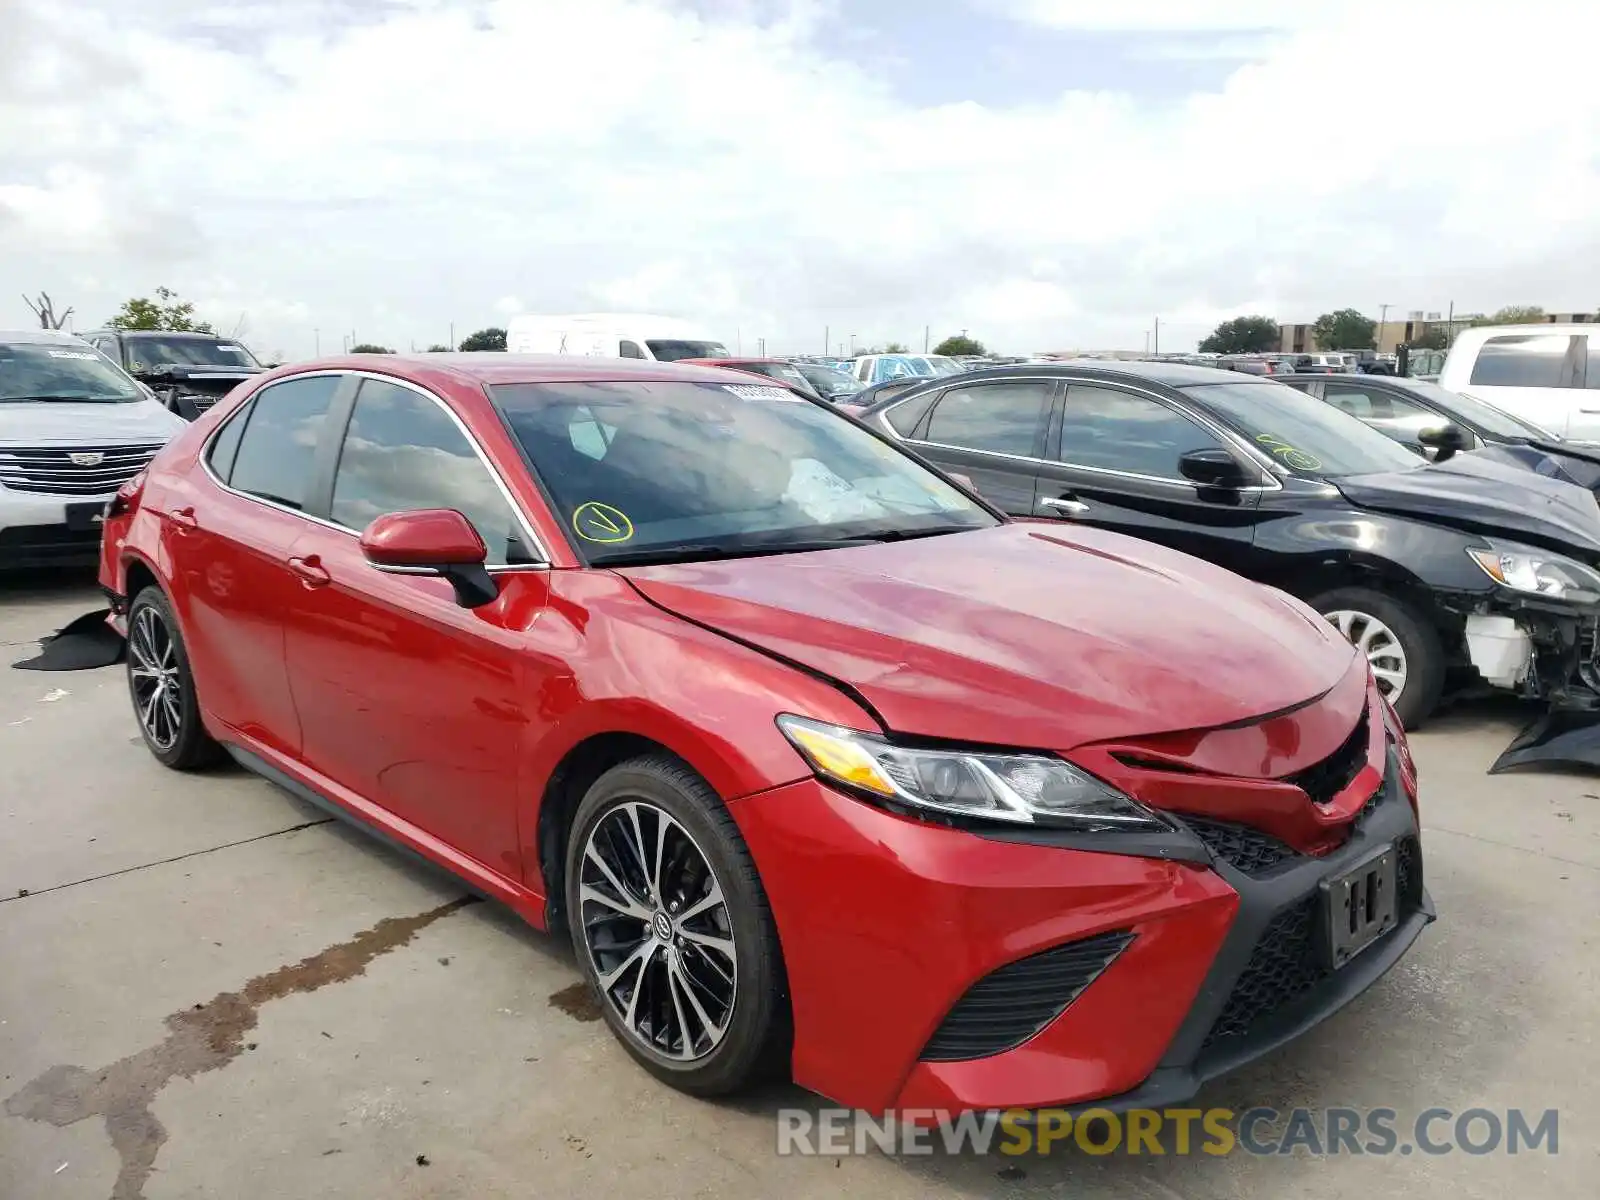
(1547, 374)
(74, 428)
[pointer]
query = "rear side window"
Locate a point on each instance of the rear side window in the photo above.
(278, 445)
(1001, 418)
(1525, 360)
(225, 446)
(630, 350)
(403, 451)
(904, 418)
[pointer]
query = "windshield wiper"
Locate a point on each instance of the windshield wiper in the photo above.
(703, 553)
(59, 396)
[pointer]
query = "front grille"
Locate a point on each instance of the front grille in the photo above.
(1324, 780)
(52, 471)
(1241, 847)
(1009, 1005)
(1283, 967)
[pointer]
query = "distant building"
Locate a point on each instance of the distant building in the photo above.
(1392, 334)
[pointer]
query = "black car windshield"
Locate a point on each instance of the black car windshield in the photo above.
(831, 382)
(657, 471)
(1306, 435)
(62, 371)
(153, 353)
(1475, 411)
(673, 350)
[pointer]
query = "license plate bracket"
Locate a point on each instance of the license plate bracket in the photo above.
(81, 518)
(1359, 906)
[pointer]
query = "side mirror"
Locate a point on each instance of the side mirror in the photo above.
(433, 541)
(1213, 468)
(1446, 441)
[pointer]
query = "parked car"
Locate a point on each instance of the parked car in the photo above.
(189, 371)
(878, 368)
(611, 335)
(1438, 423)
(832, 384)
(698, 671)
(1542, 373)
(780, 369)
(1445, 575)
(73, 429)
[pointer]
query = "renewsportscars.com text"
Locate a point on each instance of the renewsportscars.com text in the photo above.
(1174, 1131)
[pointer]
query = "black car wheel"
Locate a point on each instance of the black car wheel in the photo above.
(162, 686)
(1401, 646)
(672, 929)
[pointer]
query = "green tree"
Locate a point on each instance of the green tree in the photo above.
(438, 348)
(960, 343)
(485, 339)
(1242, 335)
(369, 348)
(1514, 314)
(893, 348)
(165, 312)
(1345, 329)
(1436, 338)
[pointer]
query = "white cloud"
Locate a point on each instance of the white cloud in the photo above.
(393, 167)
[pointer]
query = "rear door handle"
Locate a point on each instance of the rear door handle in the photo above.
(310, 571)
(1064, 505)
(184, 518)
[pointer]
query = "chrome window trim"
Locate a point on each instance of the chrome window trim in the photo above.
(522, 518)
(1228, 437)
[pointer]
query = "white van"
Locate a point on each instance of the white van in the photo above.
(611, 335)
(1542, 373)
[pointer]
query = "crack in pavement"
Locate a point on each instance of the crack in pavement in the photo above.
(30, 893)
(204, 1038)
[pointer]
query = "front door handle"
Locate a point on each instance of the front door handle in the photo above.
(310, 571)
(184, 517)
(1064, 505)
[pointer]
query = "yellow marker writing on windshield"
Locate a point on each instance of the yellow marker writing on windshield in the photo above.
(596, 522)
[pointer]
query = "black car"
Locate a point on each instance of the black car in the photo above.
(834, 386)
(189, 371)
(1446, 575)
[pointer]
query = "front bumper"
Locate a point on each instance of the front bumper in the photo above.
(887, 923)
(35, 532)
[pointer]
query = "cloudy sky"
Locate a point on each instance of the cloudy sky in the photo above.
(1045, 173)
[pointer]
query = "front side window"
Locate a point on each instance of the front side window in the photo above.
(1524, 360)
(404, 452)
(278, 445)
(677, 470)
(1001, 418)
(1304, 435)
(1113, 430)
(630, 350)
(61, 371)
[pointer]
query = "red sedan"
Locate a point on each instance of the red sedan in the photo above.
(823, 764)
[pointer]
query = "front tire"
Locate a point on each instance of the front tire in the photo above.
(162, 686)
(672, 929)
(1401, 645)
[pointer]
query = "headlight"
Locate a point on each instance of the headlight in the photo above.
(1525, 569)
(1023, 789)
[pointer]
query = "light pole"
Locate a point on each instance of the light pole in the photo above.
(1383, 319)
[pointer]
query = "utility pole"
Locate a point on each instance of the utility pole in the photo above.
(452, 337)
(761, 347)
(1383, 319)
(925, 339)
(825, 343)
(1157, 347)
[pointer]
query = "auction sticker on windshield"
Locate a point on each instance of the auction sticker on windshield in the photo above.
(757, 392)
(596, 522)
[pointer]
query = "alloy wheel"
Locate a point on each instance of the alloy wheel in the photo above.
(1385, 655)
(156, 679)
(657, 930)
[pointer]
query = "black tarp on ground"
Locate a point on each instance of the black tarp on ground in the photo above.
(85, 643)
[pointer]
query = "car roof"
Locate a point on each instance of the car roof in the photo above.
(1170, 374)
(40, 337)
(736, 359)
(498, 367)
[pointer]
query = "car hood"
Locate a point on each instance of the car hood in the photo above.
(1021, 635)
(47, 422)
(1486, 493)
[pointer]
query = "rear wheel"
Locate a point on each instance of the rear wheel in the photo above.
(1400, 644)
(672, 929)
(162, 686)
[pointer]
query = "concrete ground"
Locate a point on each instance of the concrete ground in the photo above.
(208, 990)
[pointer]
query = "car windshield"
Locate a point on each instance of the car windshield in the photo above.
(945, 366)
(673, 350)
(1485, 416)
(834, 383)
(62, 371)
(153, 353)
(1307, 436)
(674, 471)
(781, 371)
